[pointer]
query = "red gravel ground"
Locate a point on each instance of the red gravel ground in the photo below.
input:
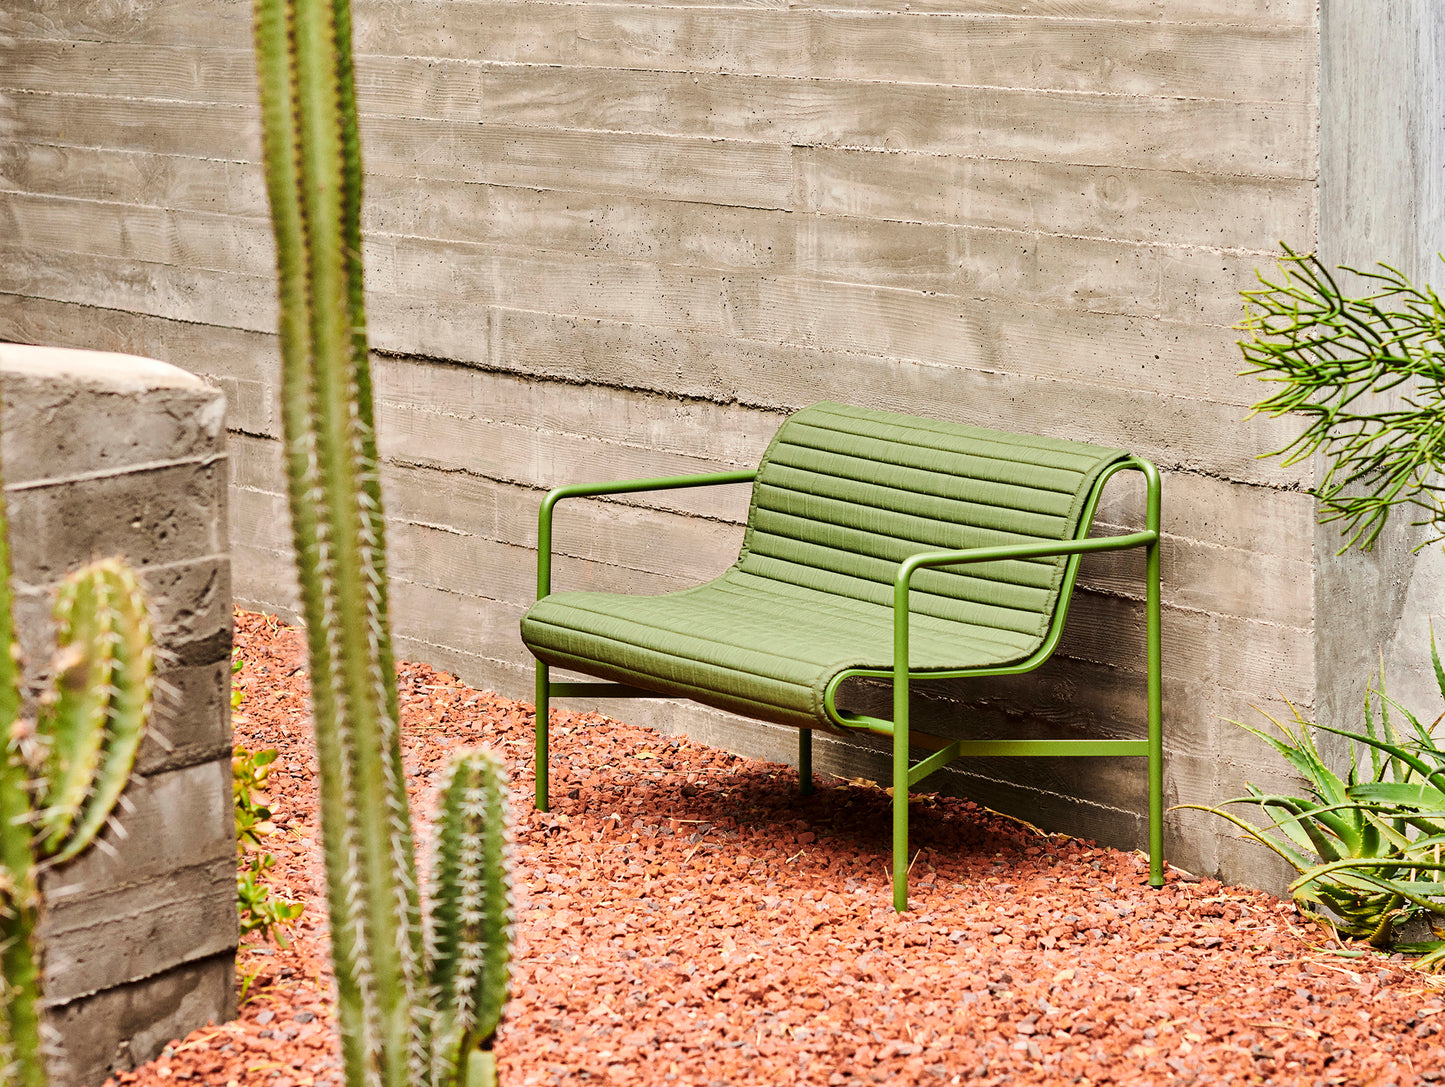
(685, 918)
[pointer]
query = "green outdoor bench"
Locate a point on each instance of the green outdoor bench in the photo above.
(880, 546)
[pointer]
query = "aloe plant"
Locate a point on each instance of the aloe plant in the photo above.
(1368, 846)
(61, 776)
(419, 996)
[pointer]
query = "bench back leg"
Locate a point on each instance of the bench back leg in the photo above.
(543, 709)
(805, 761)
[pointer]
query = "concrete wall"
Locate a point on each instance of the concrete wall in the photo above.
(612, 239)
(104, 455)
(1382, 198)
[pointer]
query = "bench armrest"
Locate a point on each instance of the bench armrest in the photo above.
(909, 566)
(902, 581)
(620, 486)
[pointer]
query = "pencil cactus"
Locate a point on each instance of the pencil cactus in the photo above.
(398, 1026)
(60, 778)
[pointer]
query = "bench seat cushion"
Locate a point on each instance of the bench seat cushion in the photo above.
(752, 645)
(842, 496)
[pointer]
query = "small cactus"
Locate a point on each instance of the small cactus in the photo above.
(92, 719)
(413, 1011)
(471, 916)
(61, 778)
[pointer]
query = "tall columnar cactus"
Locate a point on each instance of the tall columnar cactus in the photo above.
(416, 1002)
(61, 777)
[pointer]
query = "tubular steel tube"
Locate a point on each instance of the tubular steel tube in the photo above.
(543, 764)
(1154, 653)
(900, 733)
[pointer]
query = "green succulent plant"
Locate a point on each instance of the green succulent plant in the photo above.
(1366, 371)
(418, 995)
(1367, 845)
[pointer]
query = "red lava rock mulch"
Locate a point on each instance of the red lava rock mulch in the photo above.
(684, 917)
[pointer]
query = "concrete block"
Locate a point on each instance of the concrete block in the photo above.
(139, 931)
(107, 455)
(150, 126)
(257, 464)
(73, 413)
(207, 296)
(129, 1025)
(941, 119)
(1126, 203)
(161, 515)
(175, 821)
(776, 364)
(1106, 54)
(204, 239)
(191, 605)
(191, 718)
(737, 173)
(266, 579)
(209, 21)
(133, 177)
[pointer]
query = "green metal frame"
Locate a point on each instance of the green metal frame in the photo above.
(547, 690)
(905, 773)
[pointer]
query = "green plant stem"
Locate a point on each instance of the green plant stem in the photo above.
(389, 998)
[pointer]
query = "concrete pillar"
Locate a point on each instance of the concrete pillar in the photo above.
(109, 454)
(1382, 199)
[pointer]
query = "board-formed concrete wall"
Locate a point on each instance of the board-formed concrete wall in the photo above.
(625, 238)
(1382, 198)
(105, 455)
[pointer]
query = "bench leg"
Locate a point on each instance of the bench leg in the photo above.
(805, 761)
(543, 708)
(900, 793)
(1156, 715)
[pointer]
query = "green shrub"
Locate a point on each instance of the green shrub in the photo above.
(1366, 371)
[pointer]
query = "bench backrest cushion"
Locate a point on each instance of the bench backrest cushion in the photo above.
(844, 494)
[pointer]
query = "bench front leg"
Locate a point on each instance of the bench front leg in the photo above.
(544, 698)
(900, 792)
(1153, 663)
(900, 734)
(544, 572)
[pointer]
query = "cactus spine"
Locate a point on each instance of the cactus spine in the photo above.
(60, 781)
(413, 1007)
